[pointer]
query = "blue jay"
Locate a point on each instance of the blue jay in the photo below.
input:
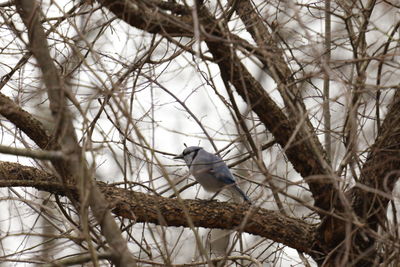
(210, 171)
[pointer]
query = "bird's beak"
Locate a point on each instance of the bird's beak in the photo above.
(179, 157)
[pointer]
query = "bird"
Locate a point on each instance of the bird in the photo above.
(210, 171)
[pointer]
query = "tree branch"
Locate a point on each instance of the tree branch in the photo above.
(141, 207)
(370, 198)
(26, 123)
(380, 172)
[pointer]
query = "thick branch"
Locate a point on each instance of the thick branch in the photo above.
(273, 58)
(142, 207)
(370, 198)
(25, 122)
(381, 170)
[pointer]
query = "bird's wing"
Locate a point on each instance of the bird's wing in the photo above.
(222, 173)
(214, 166)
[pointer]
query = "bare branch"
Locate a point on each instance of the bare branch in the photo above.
(26, 122)
(381, 170)
(37, 154)
(141, 207)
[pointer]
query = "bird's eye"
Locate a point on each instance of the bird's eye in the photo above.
(184, 153)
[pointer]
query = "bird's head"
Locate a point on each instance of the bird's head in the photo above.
(189, 154)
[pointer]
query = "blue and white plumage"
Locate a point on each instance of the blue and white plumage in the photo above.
(210, 171)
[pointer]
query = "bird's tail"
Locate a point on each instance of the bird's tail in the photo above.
(239, 192)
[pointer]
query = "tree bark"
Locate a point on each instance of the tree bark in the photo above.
(141, 207)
